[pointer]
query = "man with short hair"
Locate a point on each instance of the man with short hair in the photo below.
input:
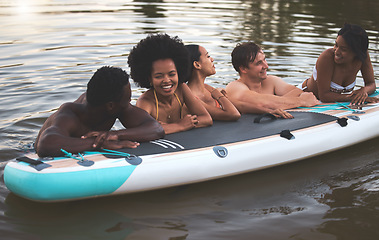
(257, 92)
(85, 124)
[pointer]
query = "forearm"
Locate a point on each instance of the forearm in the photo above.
(174, 127)
(51, 145)
(335, 97)
(266, 102)
(204, 121)
(294, 93)
(370, 88)
(249, 107)
(146, 132)
(228, 110)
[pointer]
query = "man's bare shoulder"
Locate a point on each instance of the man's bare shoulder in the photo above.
(273, 78)
(71, 107)
(239, 91)
(67, 114)
(236, 85)
(274, 81)
(70, 112)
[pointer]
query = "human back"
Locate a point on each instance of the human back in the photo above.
(85, 124)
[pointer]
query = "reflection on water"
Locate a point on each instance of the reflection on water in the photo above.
(353, 203)
(51, 48)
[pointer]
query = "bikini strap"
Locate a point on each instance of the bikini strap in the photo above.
(156, 103)
(180, 104)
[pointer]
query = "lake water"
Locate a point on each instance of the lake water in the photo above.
(50, 49)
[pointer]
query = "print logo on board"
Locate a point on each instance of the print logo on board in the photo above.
(166, 144)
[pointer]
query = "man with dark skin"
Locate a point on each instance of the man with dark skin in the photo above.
(86, 123)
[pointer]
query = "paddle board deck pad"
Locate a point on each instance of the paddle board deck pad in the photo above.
(227, 148)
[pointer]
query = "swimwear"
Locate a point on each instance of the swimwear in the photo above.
(156, 102)
(334, 87)
(218, 105)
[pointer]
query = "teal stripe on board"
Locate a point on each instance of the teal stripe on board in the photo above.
(334, 106)
(71, 185)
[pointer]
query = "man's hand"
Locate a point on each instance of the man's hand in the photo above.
(281, 113)
(100, 137)
(109, 140)
(114, 145)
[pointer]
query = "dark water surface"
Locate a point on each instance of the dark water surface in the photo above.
(50, 49)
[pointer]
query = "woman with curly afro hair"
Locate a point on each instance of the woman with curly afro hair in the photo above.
(161, 64)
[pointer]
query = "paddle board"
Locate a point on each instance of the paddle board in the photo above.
(252, 143)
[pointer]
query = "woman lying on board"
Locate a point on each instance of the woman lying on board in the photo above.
(334, 76)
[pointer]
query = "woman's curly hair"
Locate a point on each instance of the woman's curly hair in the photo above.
(156, 47)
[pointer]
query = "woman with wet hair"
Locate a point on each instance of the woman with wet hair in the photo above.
(161, 64)
(334, 76)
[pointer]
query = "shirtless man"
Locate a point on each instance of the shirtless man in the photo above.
(257, 92)
(85, 124)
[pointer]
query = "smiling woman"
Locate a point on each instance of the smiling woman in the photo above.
(161, 63)
(334, 76)
(49, 51)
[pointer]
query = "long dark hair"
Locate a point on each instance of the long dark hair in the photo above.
(357, 39)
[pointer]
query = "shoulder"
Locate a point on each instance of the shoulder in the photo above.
(236, 88)
(66, 117)
(326, 55)
(70, 108)
(146, 101)
(183, 90)
(273, 81)
(147, 96)
(276, 81)
(81, 99)
(69, 113)
(325, 62)
(183, 87)
(274, 78)
(235, 85)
